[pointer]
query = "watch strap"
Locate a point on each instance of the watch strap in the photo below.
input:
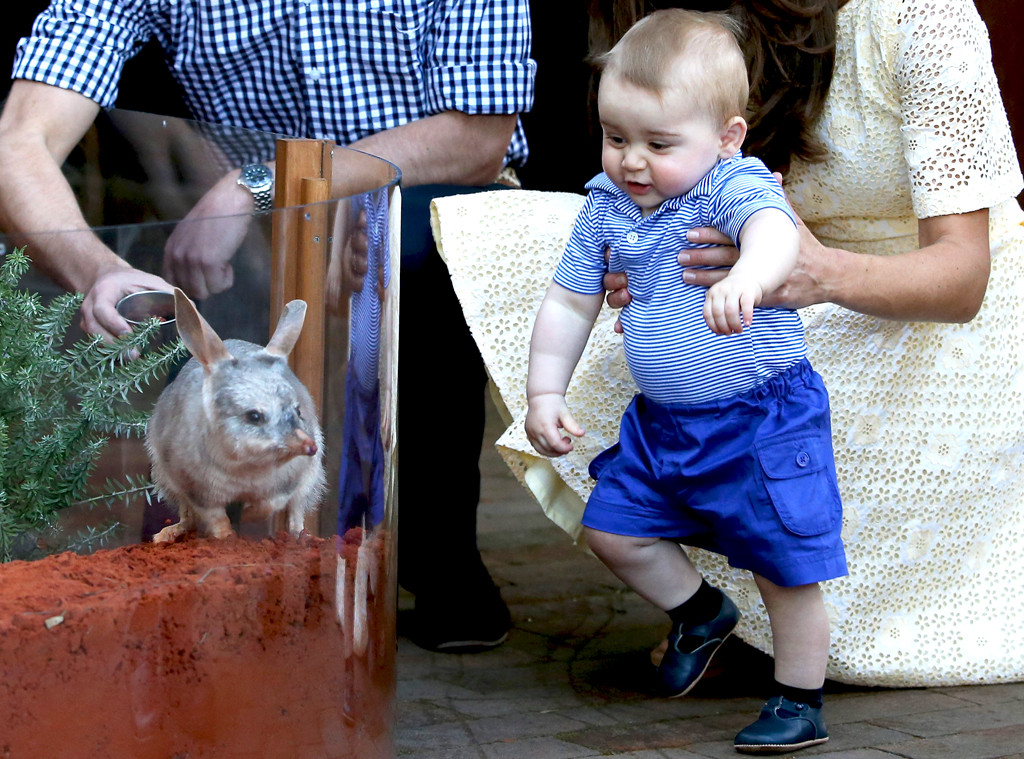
(259, 181)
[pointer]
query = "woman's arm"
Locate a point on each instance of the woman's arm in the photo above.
(943, 281)
(769, 243)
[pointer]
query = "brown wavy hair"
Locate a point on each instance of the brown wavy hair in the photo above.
(789, 46)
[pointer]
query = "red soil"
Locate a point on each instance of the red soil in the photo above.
(230, 649)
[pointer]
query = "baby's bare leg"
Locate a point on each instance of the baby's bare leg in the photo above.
(658, 570)
(800, 632)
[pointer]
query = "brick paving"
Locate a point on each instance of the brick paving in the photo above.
(572, 679)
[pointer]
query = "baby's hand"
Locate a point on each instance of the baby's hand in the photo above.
(729, 306)
(548, 414)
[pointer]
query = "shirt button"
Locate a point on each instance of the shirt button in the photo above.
(632, 237)
(803, 459)
(314, 74)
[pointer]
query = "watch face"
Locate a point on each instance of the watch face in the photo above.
(256, 175)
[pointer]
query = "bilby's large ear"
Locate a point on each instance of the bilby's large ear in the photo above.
(288, 328)
(198, 336)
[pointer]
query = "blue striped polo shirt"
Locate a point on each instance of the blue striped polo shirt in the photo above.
(673, 355)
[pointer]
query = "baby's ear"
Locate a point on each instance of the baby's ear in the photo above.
(734, 131)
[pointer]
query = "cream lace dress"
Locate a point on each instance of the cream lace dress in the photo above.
(927, 417)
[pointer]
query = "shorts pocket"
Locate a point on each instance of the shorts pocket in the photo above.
(799, 476)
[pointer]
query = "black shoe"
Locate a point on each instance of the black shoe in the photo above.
(472, 626)
(783, 726)
(690, 649)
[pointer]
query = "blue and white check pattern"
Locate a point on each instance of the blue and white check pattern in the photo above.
(335, 69)
(673, 355)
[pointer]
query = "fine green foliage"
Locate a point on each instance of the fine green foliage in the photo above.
(60, 405)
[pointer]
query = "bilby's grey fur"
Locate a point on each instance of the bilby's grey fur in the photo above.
(235, 426)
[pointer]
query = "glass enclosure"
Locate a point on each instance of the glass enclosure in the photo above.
(258, 645)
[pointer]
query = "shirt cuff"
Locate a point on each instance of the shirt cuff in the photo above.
(502, 88)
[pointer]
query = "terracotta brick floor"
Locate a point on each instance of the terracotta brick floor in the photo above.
(571, 681)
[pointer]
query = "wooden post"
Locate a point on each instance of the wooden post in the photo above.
(298, 267)
(296, 159)
(311, 262)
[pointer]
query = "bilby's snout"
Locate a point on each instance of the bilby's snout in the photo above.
(302, 444)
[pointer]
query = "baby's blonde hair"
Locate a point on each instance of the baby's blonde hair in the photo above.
(696, 54)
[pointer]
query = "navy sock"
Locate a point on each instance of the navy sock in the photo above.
(702, 606)
(810, 696)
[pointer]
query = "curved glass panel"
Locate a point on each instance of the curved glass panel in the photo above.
(261, 645)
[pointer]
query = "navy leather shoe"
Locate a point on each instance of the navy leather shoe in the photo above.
(690, 649)
(783, 726)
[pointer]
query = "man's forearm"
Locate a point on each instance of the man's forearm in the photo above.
(39, 126)
(35, 200)
(447, 148)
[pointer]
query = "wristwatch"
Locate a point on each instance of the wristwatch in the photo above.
(258, 180)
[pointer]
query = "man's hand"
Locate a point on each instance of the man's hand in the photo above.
(729, 305)
(546, 416)
(198, 253)
(99, 308)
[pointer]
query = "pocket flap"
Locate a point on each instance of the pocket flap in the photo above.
(794, 457)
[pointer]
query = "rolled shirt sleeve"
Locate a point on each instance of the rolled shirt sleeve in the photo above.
(481, 62)
(82, 46)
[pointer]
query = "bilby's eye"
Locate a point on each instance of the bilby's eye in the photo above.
(254, 417)
(298, 412)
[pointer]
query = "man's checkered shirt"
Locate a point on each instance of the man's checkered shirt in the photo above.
(335, 69)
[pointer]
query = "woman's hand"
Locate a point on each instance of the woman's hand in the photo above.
(616, 283)
(802, 287)
(723, 254)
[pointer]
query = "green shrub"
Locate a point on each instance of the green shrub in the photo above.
(59, 406)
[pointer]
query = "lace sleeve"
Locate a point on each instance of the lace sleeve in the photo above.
(956, 136)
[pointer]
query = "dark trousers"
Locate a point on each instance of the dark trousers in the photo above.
(441, 386)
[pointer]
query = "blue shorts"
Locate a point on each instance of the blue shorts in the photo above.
(751, 477)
